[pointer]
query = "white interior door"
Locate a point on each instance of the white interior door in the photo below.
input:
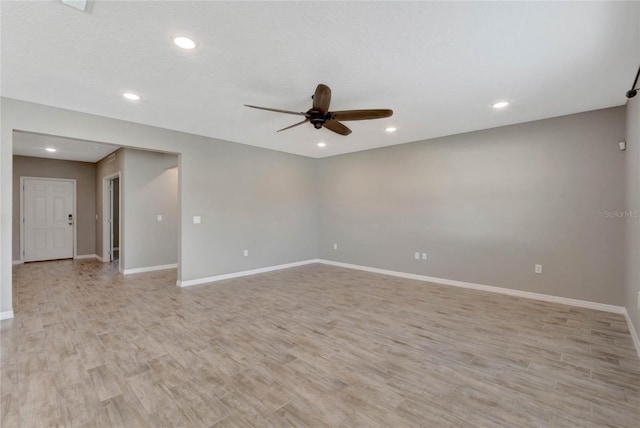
(48, 219)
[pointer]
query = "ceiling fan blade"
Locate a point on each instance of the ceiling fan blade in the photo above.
(295, 124)
(361, 114)
(337, 127)
(277, 110)
(322, 98)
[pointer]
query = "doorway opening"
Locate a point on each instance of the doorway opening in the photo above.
(112, 215)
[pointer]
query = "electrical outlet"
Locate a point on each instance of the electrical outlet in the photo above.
(424, 256)
(538, 269)
(159, 217)
(417, 256)
(335, 246)
(246, 253)
(197, 219)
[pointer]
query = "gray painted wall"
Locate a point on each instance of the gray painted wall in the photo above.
(632, 220)
(486, 206)
(150, 188)
(85, 175)
(249, 198)
(260, 200)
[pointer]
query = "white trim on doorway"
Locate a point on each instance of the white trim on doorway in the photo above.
(106, 214)
(21, 220)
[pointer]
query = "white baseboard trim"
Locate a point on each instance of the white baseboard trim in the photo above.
(85, 256)
(6, 315)
(149, 269)
(101, 259)
(215, 278)
(489, 288)
(632, 330)
(17, 262)
(507, 291)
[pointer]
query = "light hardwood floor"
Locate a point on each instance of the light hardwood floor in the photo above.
(309, 346)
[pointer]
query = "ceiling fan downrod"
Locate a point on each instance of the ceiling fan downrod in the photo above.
(633, 91)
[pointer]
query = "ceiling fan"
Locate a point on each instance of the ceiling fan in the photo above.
(319, 115)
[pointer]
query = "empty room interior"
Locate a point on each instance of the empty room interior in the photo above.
(319, 214)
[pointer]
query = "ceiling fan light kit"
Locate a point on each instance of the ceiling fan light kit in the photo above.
(320, 116)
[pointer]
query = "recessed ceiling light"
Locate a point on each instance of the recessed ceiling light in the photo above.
(50, 149)
(391, 129)
(501, 104)
(131, 96)
(184, 42)
(322, 144)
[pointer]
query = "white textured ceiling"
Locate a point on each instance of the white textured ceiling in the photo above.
(35, 145)
(439, 66)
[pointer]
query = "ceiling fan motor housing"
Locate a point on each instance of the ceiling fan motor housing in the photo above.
(317, 118)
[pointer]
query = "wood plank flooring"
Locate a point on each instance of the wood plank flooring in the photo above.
(310, 346)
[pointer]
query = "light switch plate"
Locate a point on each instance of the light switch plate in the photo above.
(197, 219)
(159, 217)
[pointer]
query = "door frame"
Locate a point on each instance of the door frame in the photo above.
(75, 216)
(106, 213)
